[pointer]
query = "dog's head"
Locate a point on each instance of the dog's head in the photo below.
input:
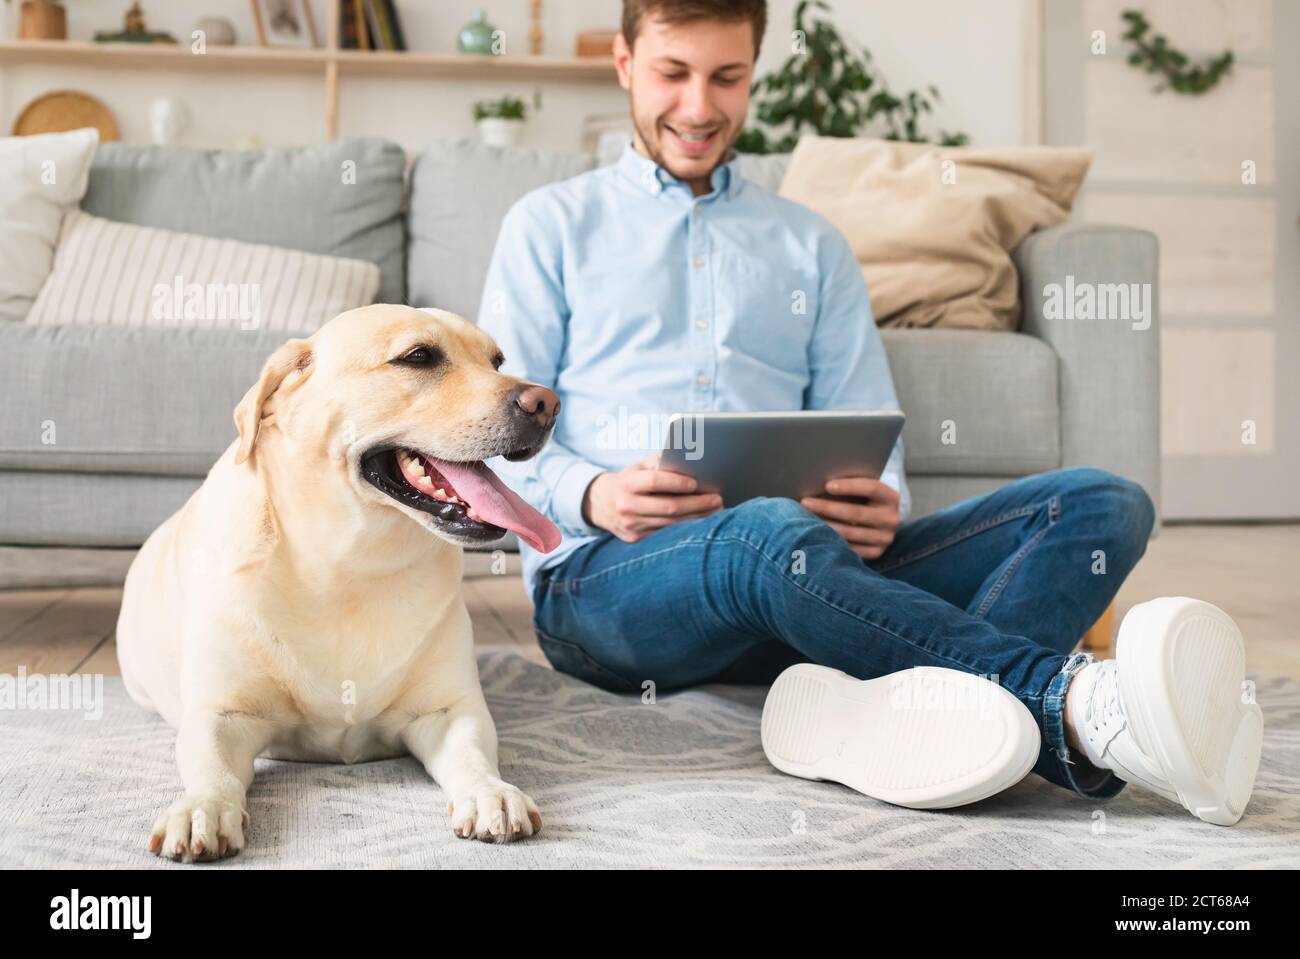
(406, 404)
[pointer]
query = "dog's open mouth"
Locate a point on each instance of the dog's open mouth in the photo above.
(467, 500)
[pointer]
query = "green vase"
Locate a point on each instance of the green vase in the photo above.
(476, 36)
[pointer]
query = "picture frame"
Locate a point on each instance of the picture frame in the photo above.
(285, 23)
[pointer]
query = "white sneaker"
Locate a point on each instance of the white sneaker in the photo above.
(928, 738)
(1170, 712)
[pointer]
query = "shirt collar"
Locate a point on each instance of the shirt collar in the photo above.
(654, 179)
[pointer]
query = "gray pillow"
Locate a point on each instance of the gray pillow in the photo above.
(460, 192)
(767, 170)
(296, 197)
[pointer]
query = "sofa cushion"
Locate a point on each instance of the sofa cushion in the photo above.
(977, 403)
(343, 198)
(120, 274)
(114, 400)
(460, 192)
(154, 400)
(933, 228)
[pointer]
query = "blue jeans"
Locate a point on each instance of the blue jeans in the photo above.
(1002, 585)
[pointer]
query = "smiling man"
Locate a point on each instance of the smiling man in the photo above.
(667, 283)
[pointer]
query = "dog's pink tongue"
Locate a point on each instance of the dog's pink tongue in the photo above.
(498, 504)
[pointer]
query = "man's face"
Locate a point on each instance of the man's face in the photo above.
(689, 89)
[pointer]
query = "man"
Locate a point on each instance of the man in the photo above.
(663, 284)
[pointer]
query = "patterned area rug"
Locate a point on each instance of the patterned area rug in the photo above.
(680, 783)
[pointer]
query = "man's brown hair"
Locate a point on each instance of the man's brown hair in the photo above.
(687, 11)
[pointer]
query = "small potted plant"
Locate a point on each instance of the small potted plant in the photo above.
(500, 122)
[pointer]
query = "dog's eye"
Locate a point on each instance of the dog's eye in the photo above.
(497, 361)
(420, 356)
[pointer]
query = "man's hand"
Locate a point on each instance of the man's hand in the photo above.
(869, 528)
(635, 502)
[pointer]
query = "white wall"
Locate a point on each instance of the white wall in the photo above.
(972, 51)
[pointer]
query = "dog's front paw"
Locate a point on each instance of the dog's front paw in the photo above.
(198, 828)
(495, 811)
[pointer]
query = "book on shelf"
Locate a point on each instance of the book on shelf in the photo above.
(353, 34)
(384, 26)
(396, 22)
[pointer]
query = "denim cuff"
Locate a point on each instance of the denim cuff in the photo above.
(1082, 776)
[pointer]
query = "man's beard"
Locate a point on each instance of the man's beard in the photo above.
(657, 155)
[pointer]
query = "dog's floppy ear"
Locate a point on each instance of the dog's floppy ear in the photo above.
(294, 355)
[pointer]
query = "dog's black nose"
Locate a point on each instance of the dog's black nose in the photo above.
(538, 403)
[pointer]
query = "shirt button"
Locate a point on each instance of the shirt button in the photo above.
(696, 209)
(699, 262)
(702, 380)
(701, 324)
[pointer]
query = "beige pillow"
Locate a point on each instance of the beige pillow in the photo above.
(934, 227)
(120, 274)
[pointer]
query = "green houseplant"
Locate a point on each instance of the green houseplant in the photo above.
(829, 88)
(1154, 55)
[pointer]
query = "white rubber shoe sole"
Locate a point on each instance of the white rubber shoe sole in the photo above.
(927, 738)
(1182, 672)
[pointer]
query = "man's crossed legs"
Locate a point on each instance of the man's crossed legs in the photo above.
(1001, 586)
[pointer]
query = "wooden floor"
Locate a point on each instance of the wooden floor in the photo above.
(1251, 571)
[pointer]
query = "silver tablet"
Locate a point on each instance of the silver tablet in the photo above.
(744, 455)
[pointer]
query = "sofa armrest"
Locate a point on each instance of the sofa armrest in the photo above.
(1109, 356)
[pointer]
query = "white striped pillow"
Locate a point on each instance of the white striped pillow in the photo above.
(120, 274)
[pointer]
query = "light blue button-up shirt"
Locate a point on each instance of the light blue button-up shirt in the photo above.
(634, 300)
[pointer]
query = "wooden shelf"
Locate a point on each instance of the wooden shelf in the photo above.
(167, 56)
(160, 56)
(327, 62)
(383, 62)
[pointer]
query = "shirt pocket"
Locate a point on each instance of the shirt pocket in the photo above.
(766, 310)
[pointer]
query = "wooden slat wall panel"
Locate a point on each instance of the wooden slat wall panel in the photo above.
(1216, 253)
(1194, 26)
(1173, 139)
(1212, 380)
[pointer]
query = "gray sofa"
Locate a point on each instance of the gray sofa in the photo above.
(139, 415)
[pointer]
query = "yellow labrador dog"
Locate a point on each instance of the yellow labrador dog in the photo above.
(305, 603)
